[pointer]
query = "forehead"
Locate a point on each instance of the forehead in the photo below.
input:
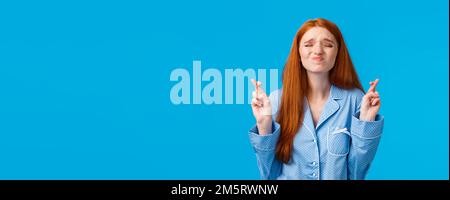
(317, 33)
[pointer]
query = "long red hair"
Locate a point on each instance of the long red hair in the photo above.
(295, 85)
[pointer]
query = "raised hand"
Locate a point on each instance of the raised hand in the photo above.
(370, 103)
(262, 110)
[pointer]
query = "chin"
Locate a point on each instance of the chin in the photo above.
(318, 68)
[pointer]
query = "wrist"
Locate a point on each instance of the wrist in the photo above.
(264, 128)
(364, 117)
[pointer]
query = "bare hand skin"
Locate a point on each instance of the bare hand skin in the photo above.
(262, 110)
(370, 103)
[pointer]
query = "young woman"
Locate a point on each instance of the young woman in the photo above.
(323, 125)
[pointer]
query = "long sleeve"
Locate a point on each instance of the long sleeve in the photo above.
(264, 147)
(365, 137)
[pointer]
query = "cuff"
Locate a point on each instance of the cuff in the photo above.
(265, 142)
(367, 129)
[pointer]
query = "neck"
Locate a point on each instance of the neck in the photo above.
(319, 86)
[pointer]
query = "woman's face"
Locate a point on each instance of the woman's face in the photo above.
(318, 50)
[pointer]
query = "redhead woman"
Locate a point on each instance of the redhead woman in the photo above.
(321, 124)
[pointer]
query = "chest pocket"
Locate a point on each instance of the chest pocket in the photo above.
(338, 141)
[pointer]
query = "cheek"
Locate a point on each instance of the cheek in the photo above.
(303, 53)
(331, 55)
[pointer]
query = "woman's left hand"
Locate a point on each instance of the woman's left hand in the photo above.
(370, 103)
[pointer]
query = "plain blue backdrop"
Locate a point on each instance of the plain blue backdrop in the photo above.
(85, 90)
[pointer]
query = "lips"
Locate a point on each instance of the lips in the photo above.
(318, 58)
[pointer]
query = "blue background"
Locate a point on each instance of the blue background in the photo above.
(84, 85)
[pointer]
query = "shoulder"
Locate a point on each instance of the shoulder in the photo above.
(341, 93)
(355, 93)
(349, 97)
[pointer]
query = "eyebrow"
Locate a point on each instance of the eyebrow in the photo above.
(326, 39)
(310, 40)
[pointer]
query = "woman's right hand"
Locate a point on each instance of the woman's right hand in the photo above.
(262, 110)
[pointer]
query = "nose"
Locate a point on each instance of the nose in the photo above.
(317, 49)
